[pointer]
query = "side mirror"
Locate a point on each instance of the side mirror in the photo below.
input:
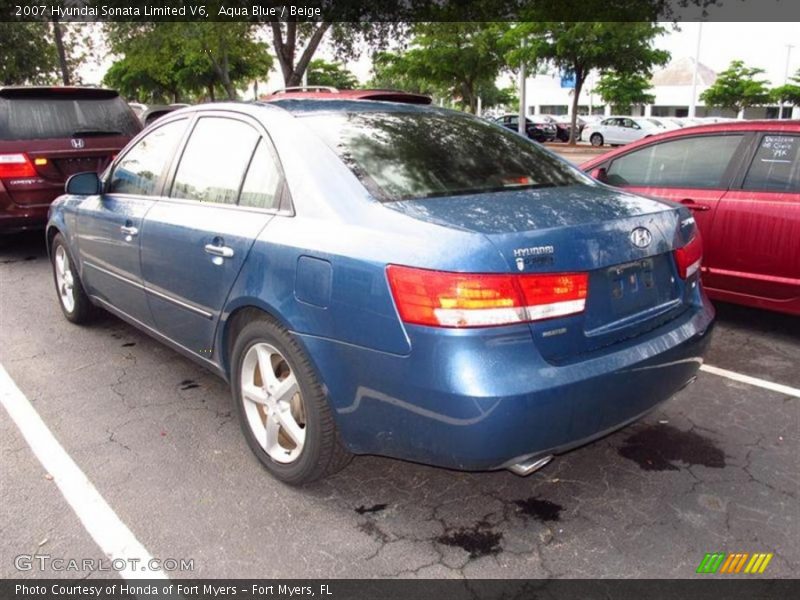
(83, 184)
(600, 174)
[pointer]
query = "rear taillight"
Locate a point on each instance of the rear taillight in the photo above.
(16, 166)
(444, 299)
(689, 257)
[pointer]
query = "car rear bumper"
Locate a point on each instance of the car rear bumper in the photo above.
(475, 400)
(16, 217)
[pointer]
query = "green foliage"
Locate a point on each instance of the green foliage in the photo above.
(737, 88)
(453, 60)
(580, 47)
(788, 93)
(27, 54)
(322, 72)
(171, 62)
(624, 89)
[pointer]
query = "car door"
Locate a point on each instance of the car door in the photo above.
(610, 128)
(693, 170)
(759, 225)
(108, 225)
(224, 190)
(630, 131)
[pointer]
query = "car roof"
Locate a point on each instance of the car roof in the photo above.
(38, 91)
(331, 93)
(764, 125)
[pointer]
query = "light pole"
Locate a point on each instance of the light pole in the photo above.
(693, 103)
(521, 126)
(786, 75)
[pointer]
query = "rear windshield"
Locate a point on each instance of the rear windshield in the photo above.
(400, 156)
(42, 118)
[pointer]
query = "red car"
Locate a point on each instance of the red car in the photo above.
(323, 92)
(48, 134)
(742, 182)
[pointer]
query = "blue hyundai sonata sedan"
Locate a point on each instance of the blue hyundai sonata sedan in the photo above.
(388, 278)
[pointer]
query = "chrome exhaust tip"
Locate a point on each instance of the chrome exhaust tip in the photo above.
(530, 465)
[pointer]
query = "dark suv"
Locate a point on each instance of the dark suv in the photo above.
(48, 134)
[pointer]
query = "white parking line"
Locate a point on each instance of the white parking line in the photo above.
(762, 383)
(99, 519)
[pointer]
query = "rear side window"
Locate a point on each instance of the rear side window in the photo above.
(52, 117)
(215, 160)
(140, 169)
(696, 162)
(400, 156)
(260, 187)
(776, 165)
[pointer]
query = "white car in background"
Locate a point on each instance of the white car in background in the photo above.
(617, 131)
(665, 123)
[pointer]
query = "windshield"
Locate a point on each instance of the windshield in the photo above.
(401, 156)
(53, 117)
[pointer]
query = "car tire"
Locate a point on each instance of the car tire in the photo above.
(596, 140)
(72, 298)
(285, 416)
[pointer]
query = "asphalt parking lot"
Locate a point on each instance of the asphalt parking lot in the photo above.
(714, 469)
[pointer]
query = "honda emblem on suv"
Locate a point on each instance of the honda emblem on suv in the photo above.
(641, 237)
(77, 143)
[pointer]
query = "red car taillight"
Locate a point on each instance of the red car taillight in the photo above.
(16, 166)
(690, 257)
(444, 299)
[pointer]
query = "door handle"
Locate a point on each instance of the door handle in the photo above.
(222, 251)
(129, 230)
(692, 205)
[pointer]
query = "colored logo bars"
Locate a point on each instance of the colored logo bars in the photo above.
(720, 562)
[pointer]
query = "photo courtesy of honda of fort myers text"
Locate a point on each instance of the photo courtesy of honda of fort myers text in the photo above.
(399, 299)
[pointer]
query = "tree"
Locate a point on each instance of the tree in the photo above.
(624, 90)
(170, 60)
(27, 56)
(455, 59)
(322, 72)
(579, 47)
(788, 93)
(737, 88)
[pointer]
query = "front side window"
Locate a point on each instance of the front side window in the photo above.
(407, 155)
(776, 165)
(696, 162)
(139, 171)
(215, 160)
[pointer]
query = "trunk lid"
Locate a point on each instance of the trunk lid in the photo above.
(587, 229)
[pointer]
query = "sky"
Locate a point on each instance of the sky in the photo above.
(761, 45)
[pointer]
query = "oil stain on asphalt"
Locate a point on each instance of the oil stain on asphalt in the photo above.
(478, 540)
(188, 384)
(371, 509)
(543, 510)
(660, 448)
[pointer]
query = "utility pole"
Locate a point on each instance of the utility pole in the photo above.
(693, 103)
(786, 76)
(521, 127)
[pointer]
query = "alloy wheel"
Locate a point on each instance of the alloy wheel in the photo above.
(273, 403)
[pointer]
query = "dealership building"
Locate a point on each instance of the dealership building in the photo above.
(672, 88)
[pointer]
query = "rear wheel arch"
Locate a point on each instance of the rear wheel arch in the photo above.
(235, 322)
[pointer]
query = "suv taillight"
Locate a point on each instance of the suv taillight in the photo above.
(445, 299)
(16, 166)
(689, 257)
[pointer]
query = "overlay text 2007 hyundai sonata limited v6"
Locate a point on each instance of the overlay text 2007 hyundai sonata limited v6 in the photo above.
(388, 278)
